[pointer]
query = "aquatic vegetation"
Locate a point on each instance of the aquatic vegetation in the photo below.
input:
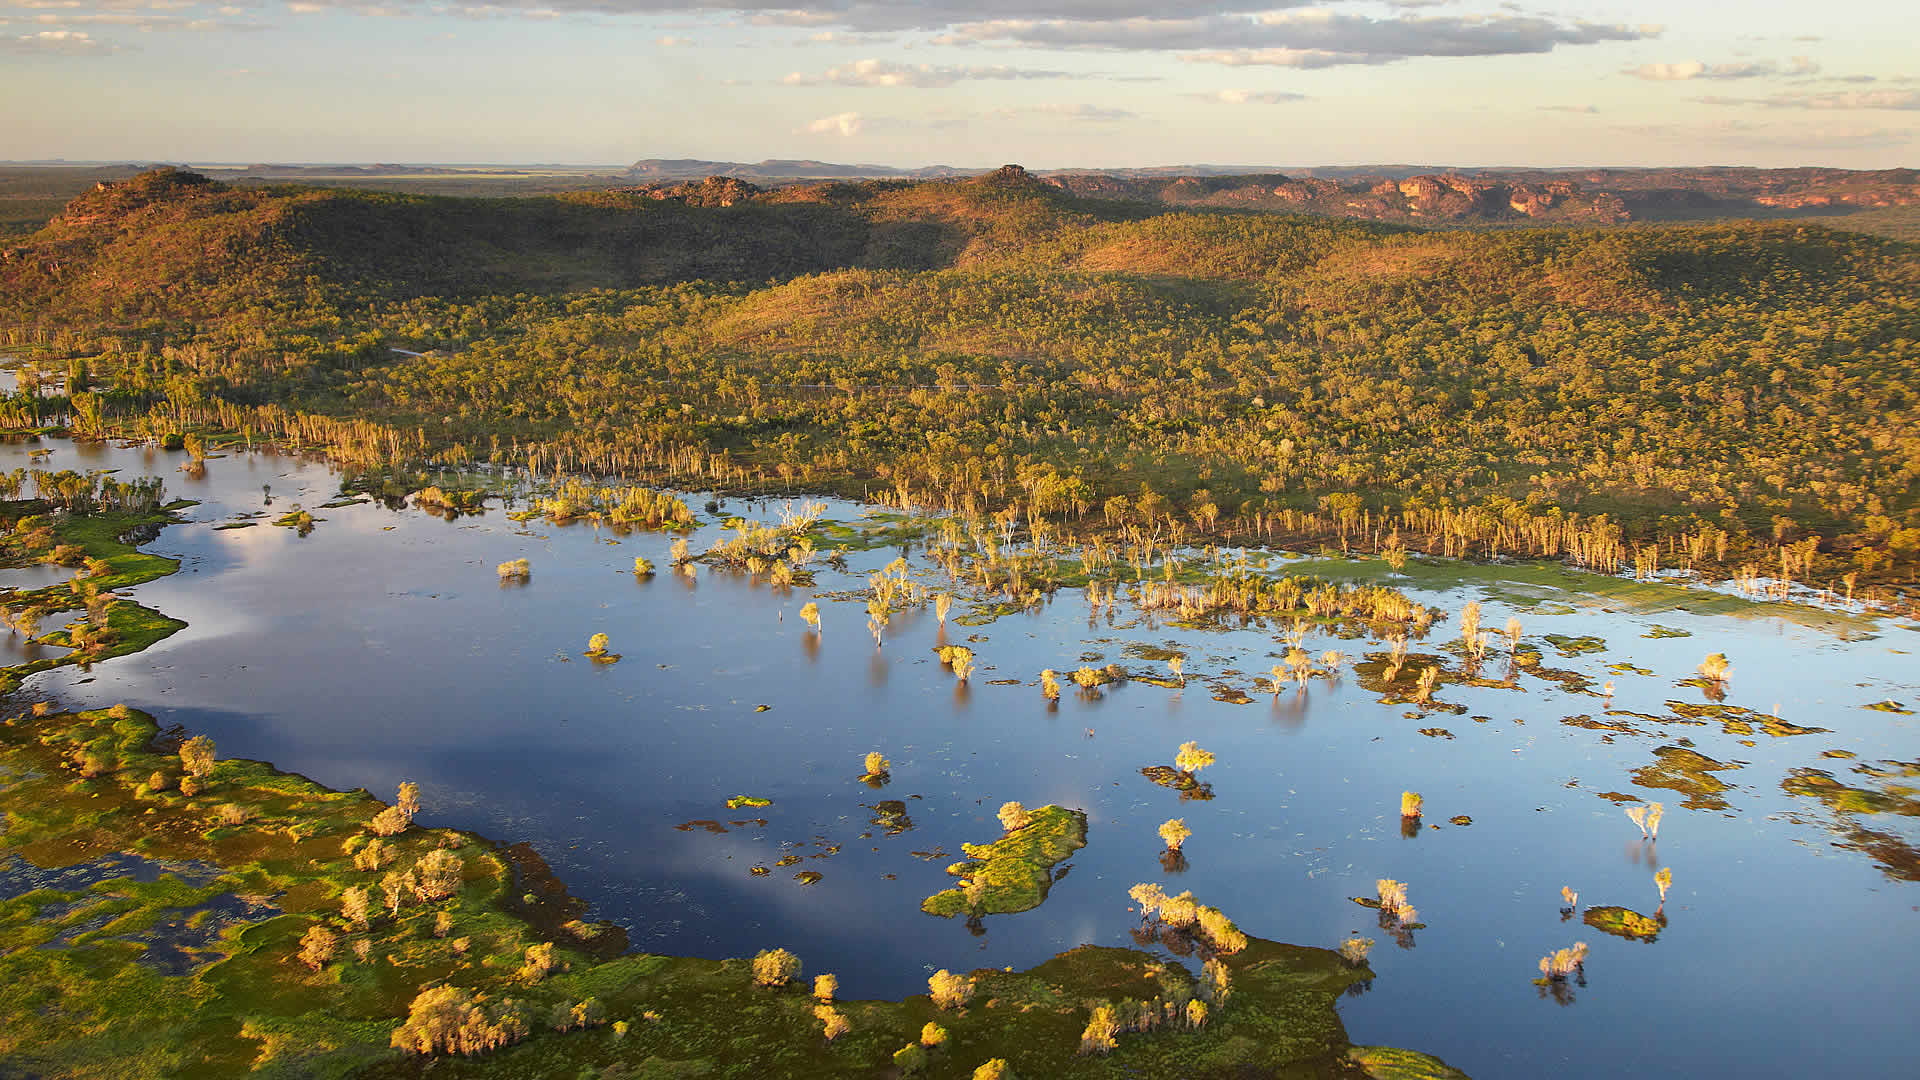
(1411, 803)
(737, 801)
(1423, 690)
(1890, 706)
(1014, 816)
(1563, 963)
(1624, 923)
(298, 520)
(642, 566)
(1573, 647)
(1174, 833)
(597, 650)
(1354, 951)
(950, 991)
(775, 967)
(1648, 818)
(1014, 873)
(1392, 895)
(1664, 880)
(1677, 768)
(1050, 685)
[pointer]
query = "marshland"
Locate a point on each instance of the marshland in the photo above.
(1105, 639)
(389, 644)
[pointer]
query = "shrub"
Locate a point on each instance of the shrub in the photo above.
(833, 1022)
(775, 967)
(373, 856)
(994, 1069)
(437, 875)
(197, 756)
(1100, 1032)
(232, 814)
(1174, 833)
(596, 645)
(538, 964)
(517, 569)
(158, 781)
(1354, 950)
(932, 1035)
(1220, 931)
(407, 801)
(1191, 759)
(1216, 983)
(189, 786)
(1715, 667)
(442, 923)
(447, 1018)
(317, 947)
(356, 905)
(588, 1013)
(910, 1059)
(1196, 1014)
(1149, 896)
(950, 991)
(877, 764)
(825, 986)
(1411, 804)
(1014, 816)
(1561, 963)
(389, 822)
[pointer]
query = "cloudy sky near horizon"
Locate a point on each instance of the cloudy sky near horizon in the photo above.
(1049, 83)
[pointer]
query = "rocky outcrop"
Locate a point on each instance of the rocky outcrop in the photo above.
(713, 191)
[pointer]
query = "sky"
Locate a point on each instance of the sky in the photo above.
(1045, 83)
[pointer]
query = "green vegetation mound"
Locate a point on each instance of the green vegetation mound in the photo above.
(1013, 873)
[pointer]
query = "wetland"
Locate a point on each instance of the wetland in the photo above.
(710, 797)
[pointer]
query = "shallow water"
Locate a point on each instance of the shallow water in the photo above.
(380, 647)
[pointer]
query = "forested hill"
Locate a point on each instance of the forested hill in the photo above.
(1720, 396)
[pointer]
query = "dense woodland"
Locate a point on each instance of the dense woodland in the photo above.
(1736, 397)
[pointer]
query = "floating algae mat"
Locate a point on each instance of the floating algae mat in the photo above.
(381, 649)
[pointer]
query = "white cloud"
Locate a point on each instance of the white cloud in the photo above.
(1088, 114)
(1583, 109)
(923, 76)
(1292, 58)
(1694, 69)
(56, 43)
(671, 42)
(1249, 97)
(1903, 100)
(845, 124)
(1312, 38)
